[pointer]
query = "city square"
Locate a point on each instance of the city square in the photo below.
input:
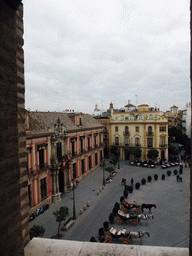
(170, 226)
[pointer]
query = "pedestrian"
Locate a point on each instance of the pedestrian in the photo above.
(185, 165)
(132, 181)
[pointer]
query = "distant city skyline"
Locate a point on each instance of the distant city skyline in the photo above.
(81, 53)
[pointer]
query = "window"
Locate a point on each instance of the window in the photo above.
(126, 129)
(150, 130)
(126, 141)
(137, 141)
(122, 117)
(43, 188)
(82, 166)
(29, 195)
(74, 171)
(99, 139)
(162, 141)
(140, 117)
(95, 141)
(126, 118)
(89, 162)
(150, 117)
(150, 142)
(95, 159)
(116, 128)
(116, 118)
(41, 159)
(101, 155)
(130, 117)
(59, 151)
(73, 148)
(116, 140)
(162, 129)
(137, 128)
(88, 143)
(81, 145)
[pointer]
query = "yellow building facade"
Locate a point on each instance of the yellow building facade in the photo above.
(145, 128)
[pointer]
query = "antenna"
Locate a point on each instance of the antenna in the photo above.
(136, 100)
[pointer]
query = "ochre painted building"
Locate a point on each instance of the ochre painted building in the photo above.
(145, 128)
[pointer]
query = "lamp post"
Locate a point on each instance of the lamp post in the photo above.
(74, 212)
(103, 173)
(118, 158)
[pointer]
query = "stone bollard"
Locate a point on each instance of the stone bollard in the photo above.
(97, 192)
(84, 207)
(103, 187)
(100, 190)
(88, 204)
(81, 211)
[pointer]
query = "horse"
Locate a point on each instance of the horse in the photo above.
(144, 217)
(138, 234)
(147, 206)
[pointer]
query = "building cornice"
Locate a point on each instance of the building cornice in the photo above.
(14, 4)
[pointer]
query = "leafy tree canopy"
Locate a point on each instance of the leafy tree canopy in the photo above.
(153, 154)
(115, 151)
(135, 151)
(61, 215)
(173, 150)
(36, 231)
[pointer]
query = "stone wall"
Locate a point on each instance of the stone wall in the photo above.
(13, 180)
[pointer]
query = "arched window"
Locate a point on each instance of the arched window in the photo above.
(150, 117)
(149, 130)
(140, 117)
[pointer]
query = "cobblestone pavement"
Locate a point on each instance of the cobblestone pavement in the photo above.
(170, 226)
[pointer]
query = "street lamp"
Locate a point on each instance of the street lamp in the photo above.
(118, 158)
(74, 212)
(103, 173)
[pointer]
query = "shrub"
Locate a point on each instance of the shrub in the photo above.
(93, 239)
(117, 205)
(143, 181)
(163, 176)
(130, 189)
(125, 193)
(111, 218)
(156, 177)
(115, 211)
(122, 199)
(106, 225)
(149, 178)
(169, 173)
(101, 232)
(175, 172)
(36, 231)
(137, 185)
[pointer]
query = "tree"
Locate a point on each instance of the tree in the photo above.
(115, 151)
(136, 152)
(153, 154)
(36, 231)
(61, 215)
(110, 168)
(173, 150)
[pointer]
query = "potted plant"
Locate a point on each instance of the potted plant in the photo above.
(175, 172)
(101, 232)
(115, 210)
(125, 193)
(156, 177)
(169, 173)
(137, 185)
(122, 199)
(180, 170)
(111, 218)
(106, 225)
(92, 239)
(143, 181)
(117, 205)
(149, 178)
(163, 176)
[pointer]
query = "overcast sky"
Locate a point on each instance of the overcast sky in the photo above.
(79, 53)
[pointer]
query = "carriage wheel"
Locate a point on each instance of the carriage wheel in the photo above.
(119, 221)
(108, 237)
(107, 241)
(138, 210)
(127, 240)
(134, 222)
(123, 209)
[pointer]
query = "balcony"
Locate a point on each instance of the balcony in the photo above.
(126, 133)
(149, 133)
(137, 145)
(163, 146)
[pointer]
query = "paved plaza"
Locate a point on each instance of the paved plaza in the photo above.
(170, 226)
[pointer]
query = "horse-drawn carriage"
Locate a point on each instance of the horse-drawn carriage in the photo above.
(133, 218)
(127, 237)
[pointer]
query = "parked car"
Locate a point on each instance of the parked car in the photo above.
(131, 163)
